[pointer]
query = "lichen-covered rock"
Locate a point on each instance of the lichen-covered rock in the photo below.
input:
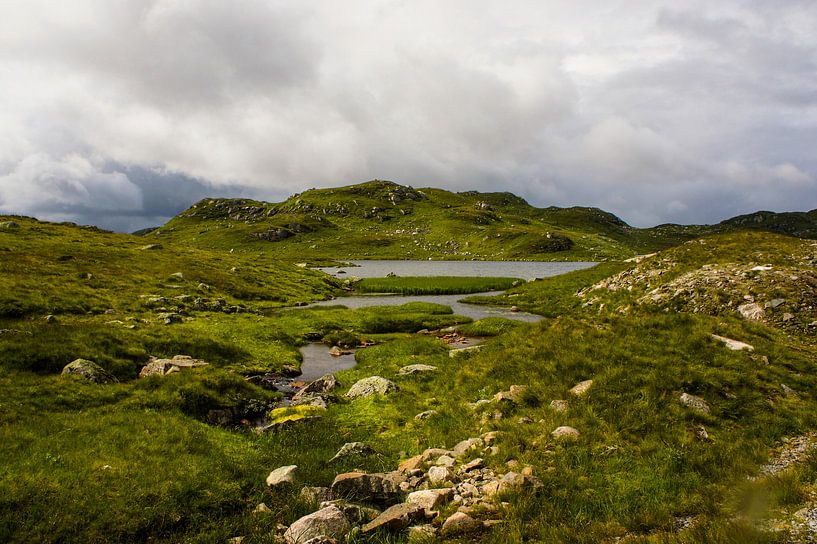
(160, 367)
(581, 388)
(751, 311)
(352, 448)
(329, 521)
(565, 432)
(89, 370)
(439, 475)
(416, 369)
(559, 405)
(695, 403)
(373, 385)
(467, 445)
(459, 523)
(430, 499)
(368, 487)
(324, 384)
(316, 495)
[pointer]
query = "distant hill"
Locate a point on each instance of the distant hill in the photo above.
(382, 219)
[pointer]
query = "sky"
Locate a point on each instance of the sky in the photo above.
(123, 113)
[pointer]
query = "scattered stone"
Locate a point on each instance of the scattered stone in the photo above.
(412, 463)
(89, 370)
(262, 508)
(514, 309)
(774, 303)
(695, 403)
(565, 432)
(514, 394)
(373, 385)
(734, 345)
(461, 351)
(150, 247)
(788, 391)
(476, 405)
(787, 317)
(324, 384)
(329, 521)
(416, 369)
(425, 415)
(316, 495)
(793, 451)
(168, 318)
(445, 461)
(396, 518)
(9, 225)
(490, 437)
(335, 351)
(751, 311)
(525, 420)
(421, 533)
(368, 487)
(459, 523)
(439, 475)
(466, 445)
(283, 475)
(479, 462)
(559, 405)
(204, 287)
(352, 448)
(701, 433)
(581, 388)
(50, 319)
(162, 367)
(430, 499)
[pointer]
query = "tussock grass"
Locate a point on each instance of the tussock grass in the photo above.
(434, 285)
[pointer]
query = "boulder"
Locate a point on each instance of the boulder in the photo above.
(9, 225)
(581, 388)
(695, 403)
(356, 514)
(430, 499)
(425, 415)
(559, 405)
(283, 475)
(327, 522)
(375, 487)
(89, 370)
(565, 432)
(416, 369)
(412, 463)
(352, 448)
(459, 523)
(445, 461)
(373, 385)
(514, 394)
(335, 351)
(396, 518)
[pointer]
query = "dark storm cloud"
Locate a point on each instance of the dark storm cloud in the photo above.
(125, 113)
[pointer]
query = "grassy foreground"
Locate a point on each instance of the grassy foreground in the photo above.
(142, 460)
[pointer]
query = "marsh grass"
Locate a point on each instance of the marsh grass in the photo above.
(434, 285)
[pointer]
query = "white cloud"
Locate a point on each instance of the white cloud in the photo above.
(653, 111)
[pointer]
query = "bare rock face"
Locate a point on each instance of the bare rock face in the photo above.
(565, 432)
(377, 487)
(396, 518)
(695, 403)
(326, 522)
(373, 385)
(282, 475)
(89, 370)
(581, 388)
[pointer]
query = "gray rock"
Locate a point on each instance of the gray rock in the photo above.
(425, 415)
(416, 369)
(439, 475)
(324, 384)
(581, 388)
(467, 445)
(373, 385)
(396, 518)
(168, 318)
(775, 302)
(734, 345)
(9, 225)
(161, 367)
(459, 523)
(383, 487)
(150, 247)
(751, 311)
(565, 432)
(559, 405)
(352, 449)
(430, 499)
(695, 403)
(89, 370)
(283, 475)
(445, 461)
(327, 522)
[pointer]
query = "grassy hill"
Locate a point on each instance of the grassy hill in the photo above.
(381, 219)
(174, 458)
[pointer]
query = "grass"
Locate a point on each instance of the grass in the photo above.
(434, 285)
(137, 461)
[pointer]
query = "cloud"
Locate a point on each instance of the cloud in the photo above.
(124, 113)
